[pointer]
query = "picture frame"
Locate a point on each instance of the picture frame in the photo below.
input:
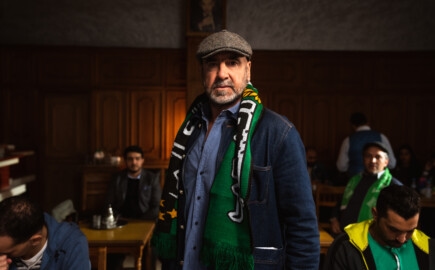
(205, 16)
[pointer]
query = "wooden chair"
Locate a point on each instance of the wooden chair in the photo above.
(327, 196)
(95, 184)
(97, 256)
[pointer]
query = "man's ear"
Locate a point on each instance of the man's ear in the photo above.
(36, 239)
(374, 213)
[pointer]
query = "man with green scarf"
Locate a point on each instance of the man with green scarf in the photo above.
(237, 193)
(363, 189)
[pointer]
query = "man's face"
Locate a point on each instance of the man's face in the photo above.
(311, 157)
(394, 230)
(375, 160)
(225, 77)
(8, 247)
(134, 162)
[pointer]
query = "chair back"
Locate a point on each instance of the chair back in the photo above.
(327, 196)
(95, 185)
(97, 256)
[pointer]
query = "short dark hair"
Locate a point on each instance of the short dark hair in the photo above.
(402, 199)
(20, 218)
(133, 148)
(358, 119)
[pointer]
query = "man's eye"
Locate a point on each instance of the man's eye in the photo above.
(232, 63)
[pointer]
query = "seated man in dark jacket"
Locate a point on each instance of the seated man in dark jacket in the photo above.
(363, 188)
(135, 192)
(388, 241)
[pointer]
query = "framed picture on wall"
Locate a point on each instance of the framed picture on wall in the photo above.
(205, 16)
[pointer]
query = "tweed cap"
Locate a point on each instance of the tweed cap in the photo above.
(377, 144)
(223, 41)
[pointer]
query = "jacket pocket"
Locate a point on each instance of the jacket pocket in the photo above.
(261, 178)
(268, 258)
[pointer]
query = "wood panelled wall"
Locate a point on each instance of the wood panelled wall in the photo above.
(66, 102)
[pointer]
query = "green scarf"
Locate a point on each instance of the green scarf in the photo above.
(227, 241)
(372, 194)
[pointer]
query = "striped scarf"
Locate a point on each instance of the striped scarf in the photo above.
(227, 241)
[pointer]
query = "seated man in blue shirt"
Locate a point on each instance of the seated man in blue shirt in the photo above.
(32, 239)
(388, 241)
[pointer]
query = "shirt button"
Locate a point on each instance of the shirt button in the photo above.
(196, 222)
(181, 191)
(181, 262)
(198, 198)
(182, 227)
(194, 248)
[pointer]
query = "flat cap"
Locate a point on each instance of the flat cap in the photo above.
(377, 144)
(223, 41)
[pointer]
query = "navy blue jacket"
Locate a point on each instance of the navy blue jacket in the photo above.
(281, 206)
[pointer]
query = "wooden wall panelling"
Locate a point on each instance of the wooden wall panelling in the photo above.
(66, 125)
(289, 105)
(146, 122)
(400, 72)
(317, 123)
(60, 180)
(175, 114)
(20, 113)
(17, 66)
(194, 85)
(175, 68)
(110, 120)
(64, 67)
(387, 115)
(276, 71)
(419, 125)
(130, 67)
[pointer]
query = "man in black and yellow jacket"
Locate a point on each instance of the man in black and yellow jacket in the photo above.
(388, 241)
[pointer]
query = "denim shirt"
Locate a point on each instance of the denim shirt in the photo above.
(280, 205)
(200, 171)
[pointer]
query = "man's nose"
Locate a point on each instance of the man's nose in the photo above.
(222, 70)
(401, 238)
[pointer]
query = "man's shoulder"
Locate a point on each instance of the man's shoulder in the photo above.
(272, 118)
(146, 173)
(58, 231)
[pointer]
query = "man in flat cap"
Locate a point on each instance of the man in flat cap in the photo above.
(237, 193)
(363, 189)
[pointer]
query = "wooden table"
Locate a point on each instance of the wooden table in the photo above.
(132, 238)
(325, 240)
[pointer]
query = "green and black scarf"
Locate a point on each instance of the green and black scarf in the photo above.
(227, 241)
(372, 194)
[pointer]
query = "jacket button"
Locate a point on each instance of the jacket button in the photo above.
(181, 192)
(181, 262)
(182, 227)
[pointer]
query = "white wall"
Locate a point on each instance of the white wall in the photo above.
(268, 24)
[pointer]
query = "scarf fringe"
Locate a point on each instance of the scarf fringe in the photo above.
(221, 256)
(165, 244)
